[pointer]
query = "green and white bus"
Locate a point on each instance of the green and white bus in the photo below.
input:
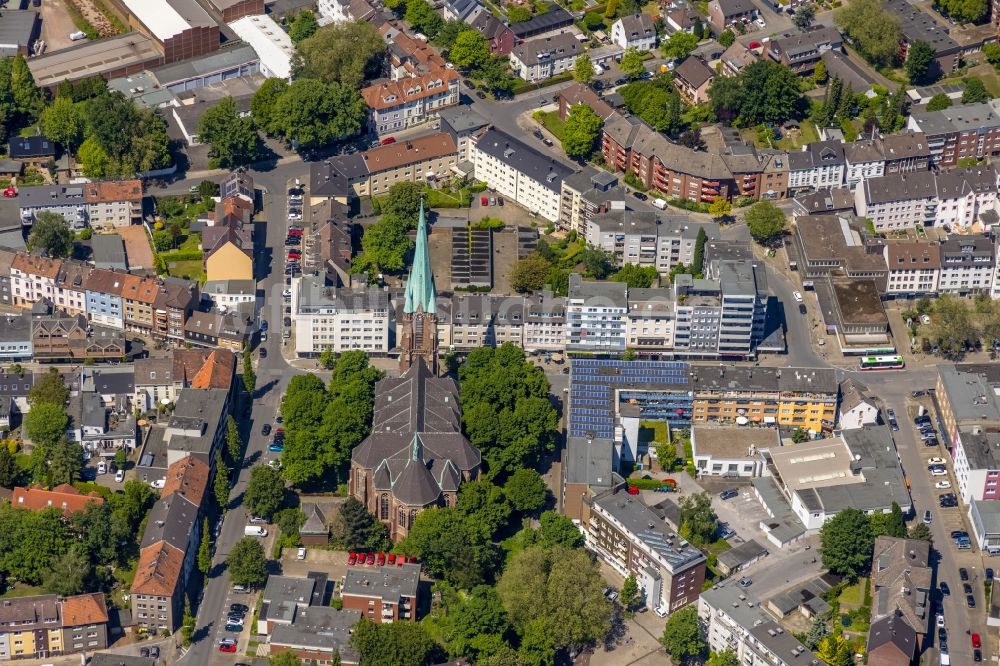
(881, 363)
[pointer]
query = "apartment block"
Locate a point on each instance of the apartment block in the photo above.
(967, 264)
(339, 319)
(586, 194)
(629, 537)
(385, 594)
(914, 267)
(977, 464)
(544, 322)
(595, 316)
(543, 58)
(411, 101)
(818, 165)
(647, 239)
(966, 395)
(520, 172)
(47, 625)
(955, 133)
(801, 52)
(635, 31)
(486, 321)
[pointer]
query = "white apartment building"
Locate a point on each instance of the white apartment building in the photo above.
(69, 294)
(818, 165)
(544, 58)
(595, 315)
(865, 159)
(544, 323)
(735, 619)
(339, 319)
(977, 464)
(520, 173)
(464, 125)
(647, 239)
(914, 267)
(113, 203)
(968, 264)
(636, 31)
(230, 294)
(411, 101)
(965, 194)
(651, 320)
(33, 278)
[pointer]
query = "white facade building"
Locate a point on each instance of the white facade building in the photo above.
(273, 45)
(595, 315)
(636, 31)
(518, 172)
(968, 264)
(914, 267)
(818, 165)
(544, 58)
(339, 319)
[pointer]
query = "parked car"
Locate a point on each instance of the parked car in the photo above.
(239, 609)
(967, 588)
(942, 485)
(797, 295)
(493, 201)
(265, 430)
(945, 590)
(963, 573)
(233, 628)
(936, 461)
(745, 582)
(728, 494)
(301, 554)
(484, 201)
(927, 517)
(119, 476)
(102, 467)
(659, 612)
(227, 645)
(970, 601)
(388, 140)
(275, 447)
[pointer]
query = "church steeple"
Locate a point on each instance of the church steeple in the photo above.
(420, 291)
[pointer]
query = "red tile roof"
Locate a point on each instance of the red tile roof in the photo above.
(188, 477)
(64, 497)
(393, 93)
(84, 609)
(159, 570)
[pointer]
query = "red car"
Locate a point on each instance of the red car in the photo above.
(352, 558)
(295, 231)
(370, 560)
(483, 201)
(227, 646)
(381, 559)
(633, 490)
(10, 192)
(387, 140)
(976, 643)
(392, 558)
(294, 254)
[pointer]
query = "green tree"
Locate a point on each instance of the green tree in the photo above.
(992, 53)
(234, 443)
(383, 248)
(530, 274)
(720, 208)
(847, 543)
(348, 53)
(836, 650)
(265, 492)
(93, 159)
(698, 260)
(423, 18)
(920, 63)
(819, 73)
(726, 658)
(205, 549)
(630, 592)
(65, 461)
(971, 11)
(526, 490)
(803, 17)
(247, 563)
(698, 521)
(121, 458)
(31, 542)
(289, 521)
(593, 21)
(249, 376)
(581, 131)
(397, 643)
(680, 45)
(448, 34)
(51, 235)
(726, 38)
(10, 472)
(764, 92)
(402, 204)
(636, 277)
(353, 528)
(449, 547)
(62, 121)
(975, 92)
(311, 113)
(232, 140)
(889, 524)
(597, 263)
(50, 388)
(583, 69)
(263, 106)
(28, 97)
(188, 623)
(286, 658)
(874, 31)
(558, 530)
(46, 424)
(470, 50)
(484, 506)
(939, 102)
(327, 358)
(631, 63)
(303, 26)
(221, 486)
(766, 222)
(130, 139)
(953, 327)
(921, 531)
(518, 14)
(471, 618)
(682, 637)
(69, 573)
(818, 630)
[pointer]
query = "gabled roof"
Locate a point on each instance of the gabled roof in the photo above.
(694, 72)
(84, 609)
(188, 477)
(34, 265)
(735, 7)
(389, 94)
(64, 497)
(159, 570)
(896, 633)
(217, 370)
(31, 146)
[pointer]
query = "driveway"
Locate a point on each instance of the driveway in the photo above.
(137, 248)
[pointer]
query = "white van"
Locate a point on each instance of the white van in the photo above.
(254, 530)
(77, 36)
(660, 203)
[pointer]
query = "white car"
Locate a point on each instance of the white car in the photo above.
(936, 461)
(939, 472)
(943, 485)
(301, 555)
(77, 36)
(102, 467)
(761, 23)
(940, 620)
(797, 295)
(924, 319)
(158, 483)
(659, 612)
(119, 476)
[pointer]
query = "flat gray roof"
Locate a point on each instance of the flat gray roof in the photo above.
(17, 28)
(108, 251)
(94, 59)
(388, 582)
(740, 555)
(969, 394)
(221, 60)
(611, 292)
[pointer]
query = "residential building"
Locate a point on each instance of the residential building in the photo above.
(790, 397)
(520, 173)
(578, 93)
(228, 252)
(914, 267)
(858, 407)
(540, 59)
(828, 246)
(44, 626)
(899, 201)
(283, 597)
(891, 642)
(731, 452)
(229, 330)
(57, 337)
(735, 58)
(424, 159)
(681, 18)
(339, 319)
(902, 584)
(865, 159)
(673, 170)
(633, 540)
(180, 28)
(32, 151)
(977, 463)
(964, 195)
(801, 52)
(411, 101)
(113, 203)
(544, 322)
(103, 289)
(464, 125)
(857, 468)
(651, 321)
(735, 619)
(647, 239)
(230, 294)
(693, 79)
(486, 321)
(917, 25)
(15, 337)
(498, 34)
(819, 164)
(64, 497)
(832, 201)
(459, 10)
(967, 264)
(408, 56)
(159, 380)
(587, 194)
(595, 315)
(389, 593)
(905, 152)
(318, 633)
(636, 31)
(101, 430)
(723, 14)
(965, 396)
(958, 132)
(65, 200)
(338, 11)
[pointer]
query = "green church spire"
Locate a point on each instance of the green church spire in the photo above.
(420, 291)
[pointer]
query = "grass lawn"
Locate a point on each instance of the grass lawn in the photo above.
(792, 140)
(551, 122)
(22, 590)
(191, 270)
(652, 431)
(719, 546)
(852, 597)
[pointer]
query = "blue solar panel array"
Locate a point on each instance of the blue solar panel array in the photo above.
(659, 388)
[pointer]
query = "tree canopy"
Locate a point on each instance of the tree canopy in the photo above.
(682, 636)
(247, 563)
(451, 547)
(353, 528)
(657, 102)
(875, 31)
(265, 492)
(637, 277)
(505, 408)
(975, 92)
(348, 53)
(232, 140)
(309, 113)
(680, 45)
(122, 138)
(581, 131)
(397, 643)
(51, 235)
(631, 63)
(847, 543)
(920, 66)
(470, 50)
(62, 121)
(20, 99)
(763, 92)
(583, 69)
(766, 222)
(530, 274)
(939, 102)
(963, 11)
(303, 26)
(698, 521)
(526, 490)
